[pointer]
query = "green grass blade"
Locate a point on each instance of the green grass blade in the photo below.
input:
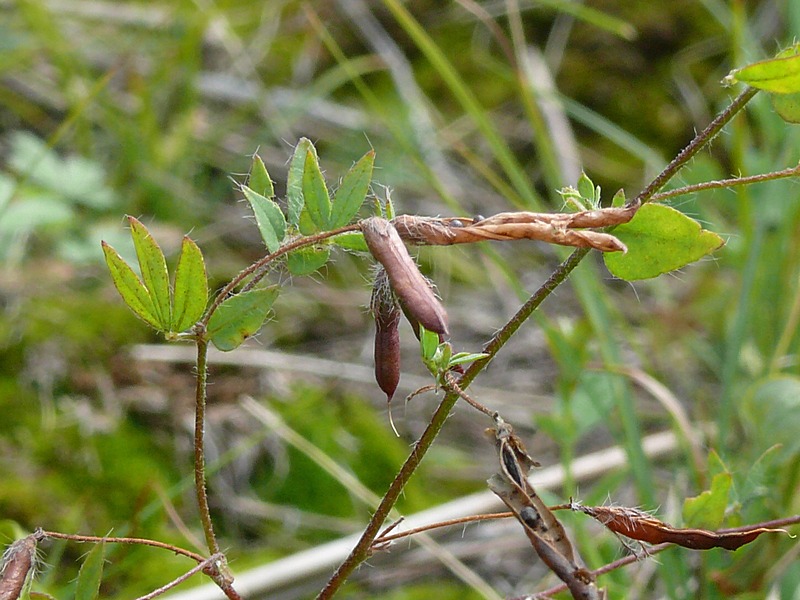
(513, 170)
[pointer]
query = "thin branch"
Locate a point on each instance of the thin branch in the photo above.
(196, 569)
(260, 268)
(383, 539)
(726, 183)
(124, 540)
(698, 143)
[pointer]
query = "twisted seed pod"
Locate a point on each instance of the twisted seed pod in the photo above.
(411, 288)
(387, 335)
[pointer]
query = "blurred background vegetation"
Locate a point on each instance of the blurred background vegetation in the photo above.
(150, 109)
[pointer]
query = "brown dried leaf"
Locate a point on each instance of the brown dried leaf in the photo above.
(641, 526)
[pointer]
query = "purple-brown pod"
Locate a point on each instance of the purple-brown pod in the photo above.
(18, 561)
(387, 335)
(411, 288)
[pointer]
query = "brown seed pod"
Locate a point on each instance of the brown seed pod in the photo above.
(387, 335)
(19, 561)
(411, 288)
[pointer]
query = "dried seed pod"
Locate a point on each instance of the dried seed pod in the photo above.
(387, 335)
(411, 288)
(19, 561)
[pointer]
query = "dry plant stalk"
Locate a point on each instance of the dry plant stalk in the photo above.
(544, 530)
(410, 286)
(566, 229)
(641, 526)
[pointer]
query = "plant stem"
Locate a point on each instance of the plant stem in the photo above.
(726, 183)
(699, 141)
(199, 452)
(259, 268)
(124, 540)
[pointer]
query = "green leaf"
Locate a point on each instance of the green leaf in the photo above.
(269, 218)
(779, 75)
(294, 181)
(259, 180)
(659, 239)
(708, 509)
(352, 240)
(350, 195)
(428, 342)
(465, 357)
(787, 106)
(91, 573)
(130, 287)
(191, 287)
(153, 266)
(315, 193)
(618, 201)
(305, 261)
(240, 317)
(588, 191)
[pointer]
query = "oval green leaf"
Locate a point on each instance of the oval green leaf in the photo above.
(240, 317)
(153, 267)
(315, 193)
(191, 287)
(269, 218)
(780, 75)
(91, 573)
(294, 181)
(130, 287)
(259, 180)
(350, 195)
(659, 239)
(305, 261)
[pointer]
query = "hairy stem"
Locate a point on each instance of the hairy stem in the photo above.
(199, 451)
(362, 549)
(261, 267)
